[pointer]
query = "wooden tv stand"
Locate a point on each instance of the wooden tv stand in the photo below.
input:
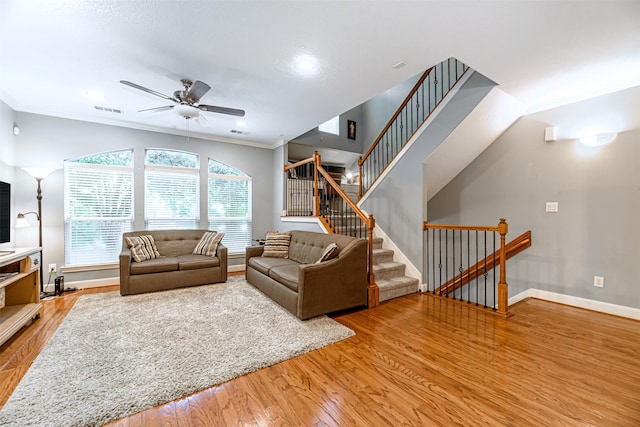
(19, 278)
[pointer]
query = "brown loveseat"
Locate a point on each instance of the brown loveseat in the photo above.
(176, 268)
(306, 288)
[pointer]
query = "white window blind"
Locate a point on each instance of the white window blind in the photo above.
(172, 196)
(229, 207)
(98, 207)
(331, 126)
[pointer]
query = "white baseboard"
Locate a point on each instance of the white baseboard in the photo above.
(602, 307)
(96, 283)
(236, 268)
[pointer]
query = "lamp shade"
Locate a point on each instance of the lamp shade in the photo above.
(21, 221)
(38, 173)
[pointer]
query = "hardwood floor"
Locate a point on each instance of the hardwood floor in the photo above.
(415, 360)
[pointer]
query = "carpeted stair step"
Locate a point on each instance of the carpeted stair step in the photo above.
(388, 270)
(396, 287)
(377, 243)
(382, 255)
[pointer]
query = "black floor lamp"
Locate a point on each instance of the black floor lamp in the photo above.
(38, 174)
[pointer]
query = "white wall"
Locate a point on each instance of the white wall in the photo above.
(7, 156)
(47, 141)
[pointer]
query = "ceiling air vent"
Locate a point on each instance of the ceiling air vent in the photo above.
(239, 132)
(108, 110)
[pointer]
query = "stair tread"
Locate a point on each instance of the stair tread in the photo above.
(396, 281)
(388, 265)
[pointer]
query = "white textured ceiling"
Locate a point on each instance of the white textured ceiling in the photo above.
(543, 53)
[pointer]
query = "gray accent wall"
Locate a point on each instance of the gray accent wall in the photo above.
(397, 202)
(595, 232)
(47, 141)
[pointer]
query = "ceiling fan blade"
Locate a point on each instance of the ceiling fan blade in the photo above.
(197, 91)
(152, 92)
(163, 108)
(222, 110)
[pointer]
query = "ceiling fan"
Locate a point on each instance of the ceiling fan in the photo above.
(187, 100)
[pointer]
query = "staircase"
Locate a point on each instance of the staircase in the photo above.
(390, 275)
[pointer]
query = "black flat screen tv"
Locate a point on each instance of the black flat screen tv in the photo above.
(5, 212)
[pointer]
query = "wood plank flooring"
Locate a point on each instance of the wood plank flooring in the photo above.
(415, 360)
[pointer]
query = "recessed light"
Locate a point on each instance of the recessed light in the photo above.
(241, 123)
(305, 64)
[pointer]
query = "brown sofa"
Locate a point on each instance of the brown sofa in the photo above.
(176, 268)
(305, 288)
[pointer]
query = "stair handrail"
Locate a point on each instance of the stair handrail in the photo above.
(402, 108)
(373, 292)
(512, 248)
(502, 228)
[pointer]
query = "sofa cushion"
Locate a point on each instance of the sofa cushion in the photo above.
(142, 247)
(264, 264)
(159, 265)
(208, 244)
(287, 275)
(330, 252)
(277, 245)
(192, 262)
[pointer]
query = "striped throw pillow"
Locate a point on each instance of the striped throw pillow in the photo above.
(330, 252)
(277, 245)
(208, 244)
(142, 247)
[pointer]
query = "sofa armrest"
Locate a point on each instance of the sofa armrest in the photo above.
(336, 284)
(251, 252)
(125, 269)
(221, 253)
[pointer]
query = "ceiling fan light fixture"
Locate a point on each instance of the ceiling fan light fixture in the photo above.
(187, 111)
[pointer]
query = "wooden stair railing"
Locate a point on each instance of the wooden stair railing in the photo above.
(513, 248)
(319, 207)
(428, 92)
(449, 256)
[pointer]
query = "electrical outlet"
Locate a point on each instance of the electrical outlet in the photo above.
(53, 268)
(598, 281)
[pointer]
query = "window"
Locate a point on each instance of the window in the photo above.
(98, 206)
(331, 126)
(229, 208)
(171, 190)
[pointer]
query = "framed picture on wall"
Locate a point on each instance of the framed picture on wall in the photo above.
(351, 129)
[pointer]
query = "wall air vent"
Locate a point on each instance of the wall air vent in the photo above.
(108, 110)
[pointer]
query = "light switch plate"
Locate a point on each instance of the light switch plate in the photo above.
(551, 207)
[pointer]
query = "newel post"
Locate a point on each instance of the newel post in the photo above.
(373, 292)
(360, 178)
(503, 287)
(316, 195)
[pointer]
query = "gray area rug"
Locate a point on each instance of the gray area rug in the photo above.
(113, 356)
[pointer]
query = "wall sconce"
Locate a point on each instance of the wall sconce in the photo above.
(16, 129)
(598, 140)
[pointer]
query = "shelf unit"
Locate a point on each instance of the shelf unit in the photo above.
(21, 289)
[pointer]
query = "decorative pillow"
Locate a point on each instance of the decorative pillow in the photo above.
(277, 245)
(142, 247)
(208, 244)
(330, 252)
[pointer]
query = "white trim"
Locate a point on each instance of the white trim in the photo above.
(602, 307)
(307, 219)
(236, 268)
(398, 256)
(414, 138)
(94, 283)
